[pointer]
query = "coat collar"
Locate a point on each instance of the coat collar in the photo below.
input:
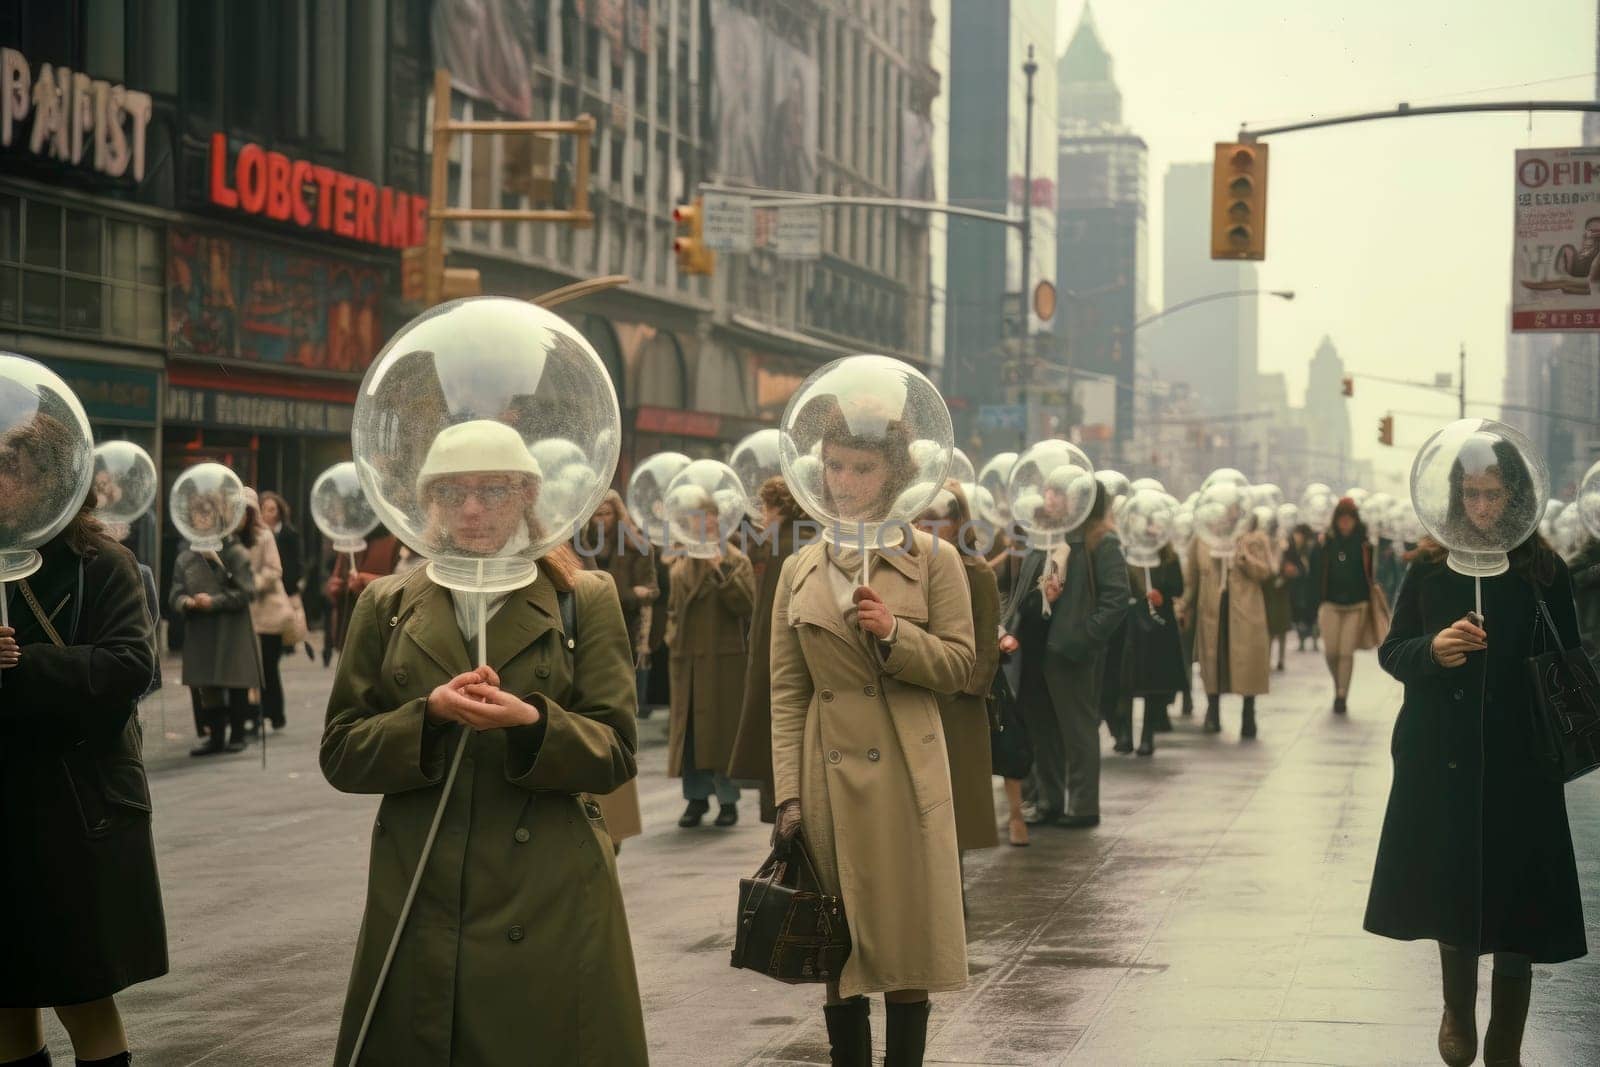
(430, 621)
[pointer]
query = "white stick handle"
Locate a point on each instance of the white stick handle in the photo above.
(1477, 596)
(1149, 585)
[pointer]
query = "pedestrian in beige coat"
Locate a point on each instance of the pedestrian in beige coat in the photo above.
(270, 610)
(858, 749)
(1231, 643)
(708, 613)
(965, 714)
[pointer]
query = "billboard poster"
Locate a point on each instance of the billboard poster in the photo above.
(1555, 267)
(766, 105)
(487, 46)
(239, 300)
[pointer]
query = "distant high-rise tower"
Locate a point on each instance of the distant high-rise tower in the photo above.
(1101, 245)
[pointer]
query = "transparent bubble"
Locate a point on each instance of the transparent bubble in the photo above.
(46, 461)
(206, 504)
(125, 485)
(1265, 494)
(1288, 517)
(1264, 517)
(340, 508)
(1357, 494)
(1407, 526)
(1479, 488)
(1146, 483)
(1183, 526)
(1225, 475)
(704, 504)
(754, 460)
(1221, 516)
(1145, 525)
(449, 423)
(1052, 489)
(1376, 514)
(878, 428)
(942, 518)
(1587, 503)
(1116, 483)
(1317, 504)
(647, 489)
(1552, 511)
(995, 479)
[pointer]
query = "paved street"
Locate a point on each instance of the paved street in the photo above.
(1214, 916)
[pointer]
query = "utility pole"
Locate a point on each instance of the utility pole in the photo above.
(1461, 385)
(1030, 68)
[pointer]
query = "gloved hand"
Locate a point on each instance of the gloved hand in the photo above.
(788, 822)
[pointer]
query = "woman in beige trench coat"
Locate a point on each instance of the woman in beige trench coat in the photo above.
(1233, 658)
(858, 750)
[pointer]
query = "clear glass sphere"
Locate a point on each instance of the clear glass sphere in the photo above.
(1052, 489)
(125, 485)
(1479, 487)
(206, 504)
(1552, 511)
(995, 477)
(1183, 527)
(1222, 515)
(881, 438)
(704, 504)
(1145, 526)
(754, 460)
(1225, 475)
(1146, 483)
(1265, 494)
(1116, 483)
(1375, 513)
(448, 427)
(1288, 517)
(961, 468)
(1317, 504)
(340, 508)
(1587, 503)
(1357, 494)
(46, 461)
(647, 490)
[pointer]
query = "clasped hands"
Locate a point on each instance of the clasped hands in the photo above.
(1452, 644)
(475, 700)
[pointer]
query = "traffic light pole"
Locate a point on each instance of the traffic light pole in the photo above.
(1406, 111)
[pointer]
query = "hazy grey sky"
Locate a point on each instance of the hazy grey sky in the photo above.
(1396, 235)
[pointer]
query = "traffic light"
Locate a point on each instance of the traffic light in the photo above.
(1348, 386)
(693, 256)
(1386, 430)
(1239, 201)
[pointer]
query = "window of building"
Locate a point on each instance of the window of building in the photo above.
(201, 44)
(591, 53)
(641, 80)
(153, 46)
(329, 75)
(570, 23)
(103, 43)
(617, 159)
(541, 29)
(252, 69)
(78, 272)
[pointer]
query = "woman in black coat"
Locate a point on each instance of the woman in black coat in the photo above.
(1476, 853)
(1304, 596)
(1153, 662)
(78, 883)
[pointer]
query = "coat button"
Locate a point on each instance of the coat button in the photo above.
(873, 755)
(833, 756)
(541, 671)
(394, 620)
(1458, 694)
(827, 694)
(400, 676)
(378, 826)
(591, 809)
(1452, 765)
(514, 934)
(522, 835)
(871, 690)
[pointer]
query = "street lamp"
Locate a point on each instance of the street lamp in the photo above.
(1282, 294)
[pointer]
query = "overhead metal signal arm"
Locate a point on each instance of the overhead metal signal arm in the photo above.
(1406, 111)
(767, 198)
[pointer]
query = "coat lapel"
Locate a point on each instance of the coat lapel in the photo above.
(811, 600)
(430, 622)
(527, 615)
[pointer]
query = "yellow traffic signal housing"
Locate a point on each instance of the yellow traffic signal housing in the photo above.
(1239, 201)
(1386, 430)
(693, 256)
(1348, 386)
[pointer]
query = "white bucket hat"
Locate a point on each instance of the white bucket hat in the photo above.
(481, 446)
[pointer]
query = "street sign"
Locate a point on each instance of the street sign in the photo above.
(729, 223)
(1556, 250)
(1003, 417)
(799, 233)
(1044, 301)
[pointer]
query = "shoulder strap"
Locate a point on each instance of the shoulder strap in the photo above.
(1544, 612)
(38, 613)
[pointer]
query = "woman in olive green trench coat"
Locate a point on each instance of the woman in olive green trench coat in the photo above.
(517, 947)
(707, 614)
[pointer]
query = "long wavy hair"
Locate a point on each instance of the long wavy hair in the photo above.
(1533, 559)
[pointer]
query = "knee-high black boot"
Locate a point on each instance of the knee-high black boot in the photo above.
(906, 1033)
(216, 724)
(38, 1059)
(1247, 724)
(121, 1059)
(849, 1033)
(1213, 724)
(1508, 1015)
(1458, 1030)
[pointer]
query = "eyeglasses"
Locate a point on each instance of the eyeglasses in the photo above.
(490, 496)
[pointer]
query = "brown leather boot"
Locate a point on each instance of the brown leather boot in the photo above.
(1508, 1014)
(1458, 1030)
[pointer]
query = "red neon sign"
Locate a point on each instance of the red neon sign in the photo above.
(315, 197)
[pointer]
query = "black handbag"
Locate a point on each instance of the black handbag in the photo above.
(1566, 708)
(788, 928)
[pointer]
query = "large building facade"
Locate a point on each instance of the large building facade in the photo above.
(998, 397)
(1102, 251)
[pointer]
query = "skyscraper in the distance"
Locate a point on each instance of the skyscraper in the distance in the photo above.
(1211, 347)
(1101, 237)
